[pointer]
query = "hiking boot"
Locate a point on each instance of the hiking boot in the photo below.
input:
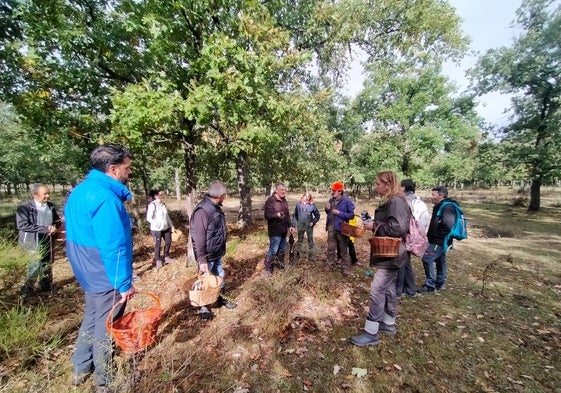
(168, 260)
(224, 302)
(365, 339)
(426, 289)
(388, 329)
(441, 287)
(205, 313)
(158, 264)
(78, 379)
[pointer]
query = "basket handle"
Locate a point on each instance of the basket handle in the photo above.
(109, 321)
(376, 228)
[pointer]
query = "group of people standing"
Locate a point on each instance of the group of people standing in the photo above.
(394, 276)
(99, 246)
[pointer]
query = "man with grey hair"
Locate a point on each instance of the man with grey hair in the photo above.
(37, 222)
(208, 234)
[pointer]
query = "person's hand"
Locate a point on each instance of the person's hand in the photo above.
(335, 212)
(203, 268)
(311, 224)
(280, 214)
(368, 225)
(125, 296)
(291, 230)
(52, 229)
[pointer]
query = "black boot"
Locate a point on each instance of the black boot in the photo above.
(269, 265)
(280, 261)
(224, 302)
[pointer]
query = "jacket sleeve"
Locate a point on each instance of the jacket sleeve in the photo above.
(25, 223)
(315, 215)
(397, 220)
(270, 212)
(447, 220)
(198, 228)
(348, 212)
(57, 222)
(113, 236)
(150, 212)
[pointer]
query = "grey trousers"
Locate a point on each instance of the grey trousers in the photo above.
(94, 347)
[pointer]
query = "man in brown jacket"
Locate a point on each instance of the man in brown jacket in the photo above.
(278, 225)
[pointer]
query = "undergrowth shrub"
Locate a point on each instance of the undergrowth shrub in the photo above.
(13, 264)
(21, 329)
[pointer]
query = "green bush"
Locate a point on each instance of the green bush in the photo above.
(13, 264)
(20, 331)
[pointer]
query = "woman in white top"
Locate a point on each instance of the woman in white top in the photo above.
(160, 226)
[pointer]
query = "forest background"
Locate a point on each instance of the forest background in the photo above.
(248, 92)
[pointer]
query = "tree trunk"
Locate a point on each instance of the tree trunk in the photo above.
(189, 158)
(242, 172)
(535, 195)
(177, 185)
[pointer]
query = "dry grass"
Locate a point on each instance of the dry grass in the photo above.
(495, 329)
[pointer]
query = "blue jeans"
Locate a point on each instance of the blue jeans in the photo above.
(93, 351)
(277, 245)
(435, 255)
(383, 300)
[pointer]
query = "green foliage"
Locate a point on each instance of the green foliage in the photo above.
(530, 71)
(13, 263)
(21, 328)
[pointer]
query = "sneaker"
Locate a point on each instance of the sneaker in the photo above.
(414, 294)
(158, 264)
(25, 291)
(365, 339)
(388, 329)
(168, 260)
(205, 313)
(441, 288)
(224, 302)
(426, 289)
(78, 379)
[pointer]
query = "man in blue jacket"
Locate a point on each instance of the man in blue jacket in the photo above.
(339, 209)
(99, 247)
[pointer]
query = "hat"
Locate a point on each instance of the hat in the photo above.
(337, 186)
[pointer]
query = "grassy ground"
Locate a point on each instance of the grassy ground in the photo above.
(495, 329)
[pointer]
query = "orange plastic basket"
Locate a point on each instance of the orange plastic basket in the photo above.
(384, 246)
(136, 330)
(352, 230)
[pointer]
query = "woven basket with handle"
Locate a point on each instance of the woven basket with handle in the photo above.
(353, 230)
(205, 290)
(384, 246)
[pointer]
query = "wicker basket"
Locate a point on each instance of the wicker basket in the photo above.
(136, 330)
(383, 246)
(205, 290)
(352, 230)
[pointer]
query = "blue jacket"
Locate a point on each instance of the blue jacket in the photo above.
(347, 212)
(98, 234)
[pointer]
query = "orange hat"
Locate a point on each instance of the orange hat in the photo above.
(337, 186)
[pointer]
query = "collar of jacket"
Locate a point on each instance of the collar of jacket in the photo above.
(114, 185)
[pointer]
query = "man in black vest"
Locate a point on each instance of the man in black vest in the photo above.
(208, 234)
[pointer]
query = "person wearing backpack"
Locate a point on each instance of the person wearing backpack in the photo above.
(441, 224)
(405, 282)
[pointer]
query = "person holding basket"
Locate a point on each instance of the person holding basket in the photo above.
(388, 254)
(208, 234)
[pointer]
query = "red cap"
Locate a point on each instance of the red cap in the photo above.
(337, 186)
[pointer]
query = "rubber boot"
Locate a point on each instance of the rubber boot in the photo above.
(369, 336)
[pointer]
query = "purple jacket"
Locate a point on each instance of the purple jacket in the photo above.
(346, 209)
